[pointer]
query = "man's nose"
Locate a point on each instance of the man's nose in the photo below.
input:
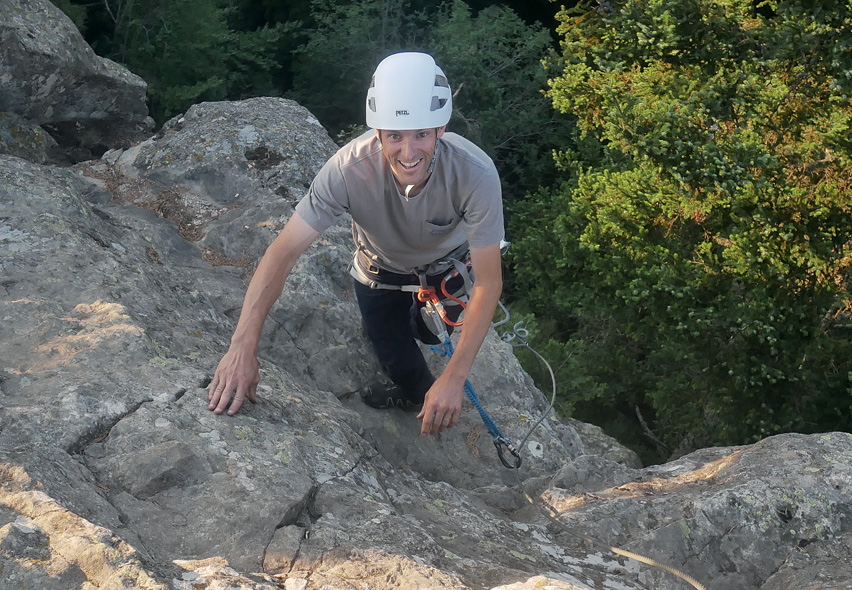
(409, 149)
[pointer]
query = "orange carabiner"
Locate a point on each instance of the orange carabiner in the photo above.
(429, 295)
(426, 294)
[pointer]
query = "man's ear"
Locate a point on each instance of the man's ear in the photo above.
(440, 131)
(379, 135)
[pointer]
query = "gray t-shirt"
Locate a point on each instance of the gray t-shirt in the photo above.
(460, 203)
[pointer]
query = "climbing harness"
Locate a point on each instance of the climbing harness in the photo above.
(455, 264)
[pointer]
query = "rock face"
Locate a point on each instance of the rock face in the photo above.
(50, 77)
(121, 281)
(24, 139)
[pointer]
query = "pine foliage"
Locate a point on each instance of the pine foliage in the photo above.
(702, 248)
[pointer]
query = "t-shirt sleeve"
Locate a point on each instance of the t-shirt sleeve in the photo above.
(483, 213)
(327, 198)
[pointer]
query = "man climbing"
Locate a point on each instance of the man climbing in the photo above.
(420, 198)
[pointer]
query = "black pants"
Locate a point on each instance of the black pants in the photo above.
(392, 320)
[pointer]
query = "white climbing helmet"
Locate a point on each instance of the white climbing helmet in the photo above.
(409, 91)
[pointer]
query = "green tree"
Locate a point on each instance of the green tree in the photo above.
(332, 69)
(184, 49)
(494, 60)
(293, 16)
(76, 13)
(702, 246)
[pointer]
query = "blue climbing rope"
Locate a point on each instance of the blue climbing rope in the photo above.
(500, 442)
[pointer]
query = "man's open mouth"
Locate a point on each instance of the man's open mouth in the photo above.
(409, 165)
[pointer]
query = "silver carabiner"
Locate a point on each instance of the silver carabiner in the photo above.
(500, 443)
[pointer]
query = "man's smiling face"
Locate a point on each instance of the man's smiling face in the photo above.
(409, 154)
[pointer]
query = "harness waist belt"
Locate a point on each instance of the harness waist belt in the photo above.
(362, 265)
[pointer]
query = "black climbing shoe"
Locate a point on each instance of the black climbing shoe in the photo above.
(383, 395)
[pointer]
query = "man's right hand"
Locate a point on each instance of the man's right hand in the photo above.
(236, 376)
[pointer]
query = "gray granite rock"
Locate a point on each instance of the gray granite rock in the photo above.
(50, 77)
(121, 280)
(112, 324)
(23, 138)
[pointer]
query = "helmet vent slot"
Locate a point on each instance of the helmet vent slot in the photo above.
(437, 103)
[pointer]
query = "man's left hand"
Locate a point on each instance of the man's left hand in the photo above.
(442, 406)
(443, 401)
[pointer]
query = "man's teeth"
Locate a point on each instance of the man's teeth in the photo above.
(409, 164)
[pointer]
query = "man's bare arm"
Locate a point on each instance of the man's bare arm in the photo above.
(443, 401)
(237, 375)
